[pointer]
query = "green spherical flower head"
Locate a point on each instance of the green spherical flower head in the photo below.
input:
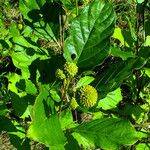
(70, 69)
(87, 96)
(73, 103)
(60, 74)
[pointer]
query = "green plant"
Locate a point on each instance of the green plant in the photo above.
(74, 74)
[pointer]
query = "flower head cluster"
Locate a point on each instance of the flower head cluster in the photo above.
(87, 96)
(60, 74)
(70, 69)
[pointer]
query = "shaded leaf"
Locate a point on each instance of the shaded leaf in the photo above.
(112, 77)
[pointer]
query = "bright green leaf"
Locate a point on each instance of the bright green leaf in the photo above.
(84, 81)
(111, 100)
(108, 133)
(66, 119)
(116, 52)
(147, 42)
(55, 96)
(46, 127)
(83, 142)
(143, 146)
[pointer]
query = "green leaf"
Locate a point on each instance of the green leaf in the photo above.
(22, 101)
(147, 42)
(143, 146)
(30, 88)
(72, 144)
(66, 119)
(147, 71)
(55, 96)
(83, 142)
(88, 43)
(140, 1)
(27, 86)
(116, 52)
(118, 35)
(3, 109)
(124, 36)
(112, 77)
(42, 16)
(84, 81)
(108, 133)
(111, 100)
(46, 127)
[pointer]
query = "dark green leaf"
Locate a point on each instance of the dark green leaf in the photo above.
(113, 76)
(88, 43)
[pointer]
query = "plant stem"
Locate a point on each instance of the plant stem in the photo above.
(77, 9)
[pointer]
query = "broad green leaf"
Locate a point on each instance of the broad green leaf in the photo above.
(83, 142)
(3, 109)
(147, 71)
(13, 78)
(108, 133)
(88, 43)
(46, 127)
(140, 1)
(143, 146)
(16, 133)
(117, 52)
(113, 76)
(42, 16)
(147, 42)
(13, 30)
(30, 88)
(84, 81)
(118, 35)
(66, 119)
(133, 111)
(124, 36)
(21, 103)
(55, 96)
(72, 144)
(111, 100)
(27, 86)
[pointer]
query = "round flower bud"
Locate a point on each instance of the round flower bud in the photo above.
(60, 74)
(73, 103)
(20, 26)
(87, 96)
(70, 69)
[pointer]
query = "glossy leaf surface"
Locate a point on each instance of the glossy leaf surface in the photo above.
(88, 43)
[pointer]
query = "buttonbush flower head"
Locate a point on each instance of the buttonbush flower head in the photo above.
(70, 69)
(60, 74)
(87, 96)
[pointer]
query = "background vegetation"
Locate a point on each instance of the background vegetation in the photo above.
(50, 50)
